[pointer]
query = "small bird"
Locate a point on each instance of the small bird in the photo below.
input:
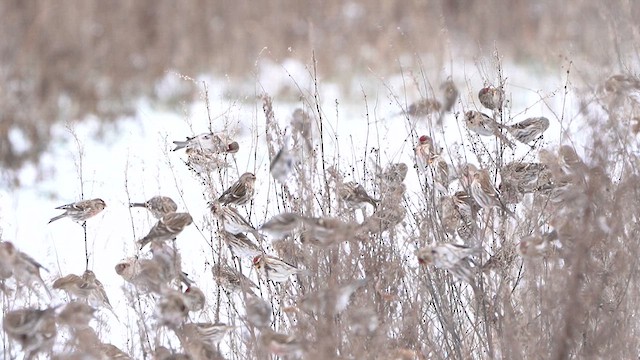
(76, 315)
(81, 211)
(484, 193)
(145, 274)
(232, 281)
(275, 269)
(450, 94)
(570, 162)
(527, 177)
(327, 231)
(159, 206)
(72, 285)
(282, 165)
(203, 161)
(332, 300)
(241, 192)
(171, 309)
(424, 107)
(34, 329)
(231, 219)
(423, 151)
(257, 311)
(110, 351)
(281, 344)
(483, 125)
(26, 270)
(302, 127)
(536, 244)
(282, 225)
(448, 256)
(194, 298)
(219, 143)
(240, 245)
(394, 173)
(207, 332)
(529, 129)
(167, 228)
(354, 195)
(491, 97)
(97, 294)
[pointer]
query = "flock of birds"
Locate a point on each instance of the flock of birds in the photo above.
(160, 273)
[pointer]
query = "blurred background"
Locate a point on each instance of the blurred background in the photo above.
(63, 61)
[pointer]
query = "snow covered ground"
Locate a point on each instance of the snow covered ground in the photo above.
(134, 163)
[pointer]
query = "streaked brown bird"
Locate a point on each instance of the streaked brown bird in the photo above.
(81, 211)
(484, 193)
(491, 97)
(484, 125)
(34, 329)
(275, 269)
(282, 225)
(240, 245)
(167, 228)
(194, 298)
(159, 206)
(529, 129)
(232, 281)
(452, 257)
(354, 195)
(450, 92)
(241, 192)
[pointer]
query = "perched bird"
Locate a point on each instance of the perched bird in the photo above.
(281, 344)
(424, 107)
(302, 127)
(76, 315)
(570, 162)
(25, 269)
(362, 321)
(354, 195)
(282, 165)
(72, 284)
(529, 129)
(484, 193)
(257, 311)
(110, 351)
(327, 231)
(203, 160)
(194, 298)
(219, 143)
(332, 300)
(241, 192)
(483, 125)
(450, 95)
(207, 332)
(7, 256)
(159, 206)
(448, 256)
(536, 244)
(620, 84)
(240, 245)
(97, 294)
(231, 219)
(527, 177)
(81, 211)
(491, 97)
(147, 275)
(167, 228)
(424, 151)
(171, 309)
(275, 269)
(34, 329)
(282, 225)
(232, 281)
